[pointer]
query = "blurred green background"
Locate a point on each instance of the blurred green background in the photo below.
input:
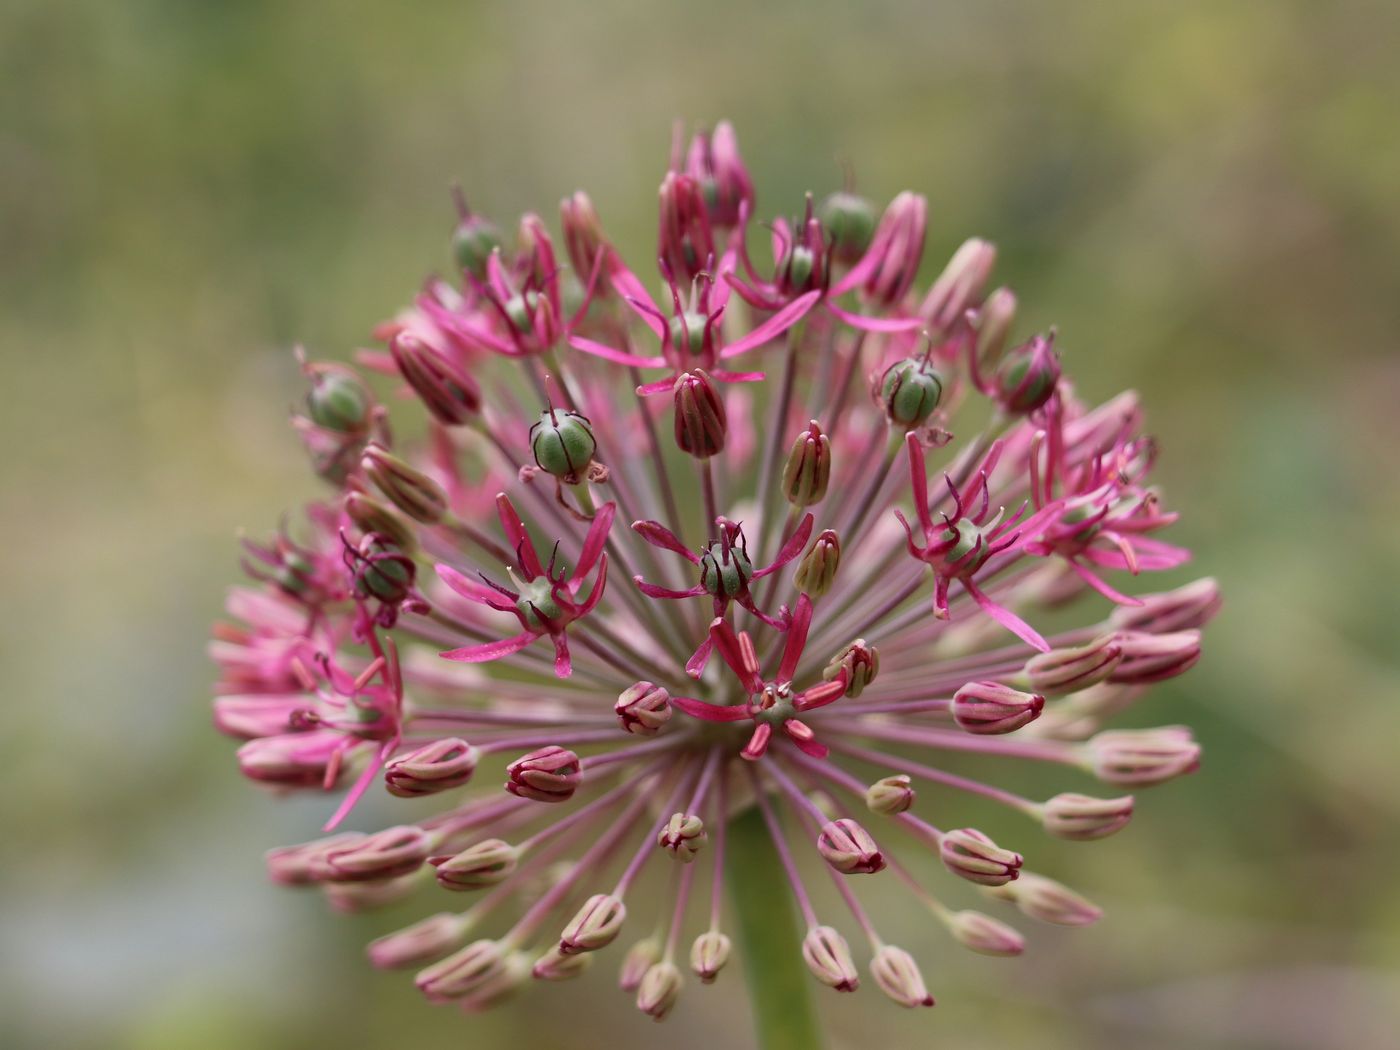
(1204, 196)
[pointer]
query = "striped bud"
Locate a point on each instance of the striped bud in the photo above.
(683, 836)
(701, 423)
(562, 444)
(423, 942)
(1028, 375)
(988, 708)
(383, 855)
(446, 389)
(973, 856)
(899, 978)
(849, 849)
(434, 767)
(909, 391)
(890, 796)
(411, 491)
(807, 470)
(642, 709)
(817, 570)
(1070, 669)
(708, 955)
(593, 926)
(828, 956)
(1048, 901)
(659, 990)
(484, 864)
(984, 935)
(551, 774)
(1081, 818)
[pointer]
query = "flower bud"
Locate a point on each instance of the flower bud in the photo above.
(897, 249)
(994, 321)
(701, 423)
(898, 976)
(423, 942)
(828, 956)
(817, 569)
(473, 241)
(849, 849)
(1140, 757)
(909, 391)
(413, 492)
(850, 220)
(890, 796)
(300, 865)
(659, 990)
(685, 242)
(354, 898)
(1068, 670)
(714, 163)
(499, 987)
(382, 855)
(583, 237)
(292, 759)
(638, 960)
(973, 856)
(563, 444)
(960, 284)
(642, 709)
(554, 965)
(1028, 375)
(446, 389)
(985, 935)
(551, 774)
(465, 971)
(383, 571)
(594, 926)
(1081, 817)
(1183, 609)
(338, 399)
(443, 764)
(684, 835)
(808, 467)
(1155, 657)
(859, 662)
(484, 864)
(988, 708)
(1049, 901)
(708, 955)
(372, 518)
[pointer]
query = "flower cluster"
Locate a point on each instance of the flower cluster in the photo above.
(764, 544)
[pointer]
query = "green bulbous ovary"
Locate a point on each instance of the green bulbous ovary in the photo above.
(688, 333)
(725, 574)
(911, 391)
(472, 244)
(338, 402)
(966, 539)
(850, 220)
(562, 443)
(537, 604)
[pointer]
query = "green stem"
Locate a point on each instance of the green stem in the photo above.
(770, 940)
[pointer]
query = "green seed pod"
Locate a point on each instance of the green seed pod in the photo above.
(473, 241)
(851, 222)
(909, 391)
(338, 400)
(725, 569)
(563, 444)
(688, 332)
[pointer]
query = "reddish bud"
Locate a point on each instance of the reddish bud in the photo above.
(985, 935)
(849, 849)
(583, 237)
(973, 856)
(808, 467)
(554, 965)
(683, 835)
(411, 491)
(988, 708)
(550, 774)
(1183, 609)
(643, 709)
(423, 942)
(685, 242)
(713, 162)
(1068, 670)
(1049, 901)
(484, 864)
(446, 389)
(1155, 657)
(464, 972)
(896, 250)
(1028, 375)
(383, 855)
(960, 284)
(1082, 817)
(1140, 757)
(701, 423)
(434, 767)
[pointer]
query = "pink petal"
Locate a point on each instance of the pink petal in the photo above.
(485, 653)
(659, 535)
(588, 346)
(796, 639)
(596, 539)
(712, 712)
(775, 326)
(1007, 618)
(791, 549)
(874, 324)
(519, 539)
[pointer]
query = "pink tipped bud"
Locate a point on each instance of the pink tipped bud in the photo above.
(443, 764)
(817, 570)
(413, 492)
(973, 856)
(988, 708)
(659, 990)
(484, 864)
(701, 423)
(684, 835)
(446, 389)
(994, 323)
(1139, 757)
(807, 470)
(708, 955)
(890, 796)
(593, 926)
(583, 237)
(685, 242)
(383, 855)
(960, 285)
(300, 865)
(985, 935)
(714, 163)
(638, 960)
(859, 662)
(1155, 657)
(1068, 670)
(293, 759)
(1049, 901)
(551, 774)
(828, 956)
(897, 249)
(463, 972)
(423, 942)
(1028, 375)
(373, 518)
(898, 976)
(642, 709)
(1183, 609)
(848, 848)
(1082, 817)
(554, 965)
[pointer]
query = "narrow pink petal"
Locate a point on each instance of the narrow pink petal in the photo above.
(874, 324)
(607, 353)
(635, 294)
(651, 590)
(796, 639)
(563, 664)
(708, 712)
(1100, 586)
(737, 377)
(519, 538)
(485, 653)
(471, 590)
(1007, 618)
(775, 326)
(661, 386)
(791, 549)
(758, 743)
(596, 539)
(596, 595)
(695, 666)
(362, 784)
(918, 478)
(659, 535)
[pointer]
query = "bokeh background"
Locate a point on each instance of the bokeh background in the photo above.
(1204, 196)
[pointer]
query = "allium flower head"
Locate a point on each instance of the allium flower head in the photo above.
(672, 548)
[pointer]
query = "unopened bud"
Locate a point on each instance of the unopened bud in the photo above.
(463, 972)
(988, 708)
(994, 321)
(713, 161)
(909, 391)
(383, 570)
(484, 864)
(562, 444)
(1155, 657)
(1183, 609)
(685, 240)
(701, 423)
(808, 467)
(300, 865)
(642, 709)
(708, 955)
(338, 400)
(473, 241)
(971, 855)
(550, 774)
(593, 926)
(583, 236)
(292, 759)
(684, 835)
(446, 389)
(382, 855)
(828, 956)
(890, 795)
(423, 942)
(554, 965)
(659, 990)
(960, 284)
(1070, 669)
(639, 958)
(374, 519)
(850, 220)
(1028, 375)
(817, 569)
(443, 764)
(849, 849)
(985, 935)
(1049, 901)
(411, 491)
(1140, 757)
(897, 248)
(1082, 817)
(859, 662)
(897, 974)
